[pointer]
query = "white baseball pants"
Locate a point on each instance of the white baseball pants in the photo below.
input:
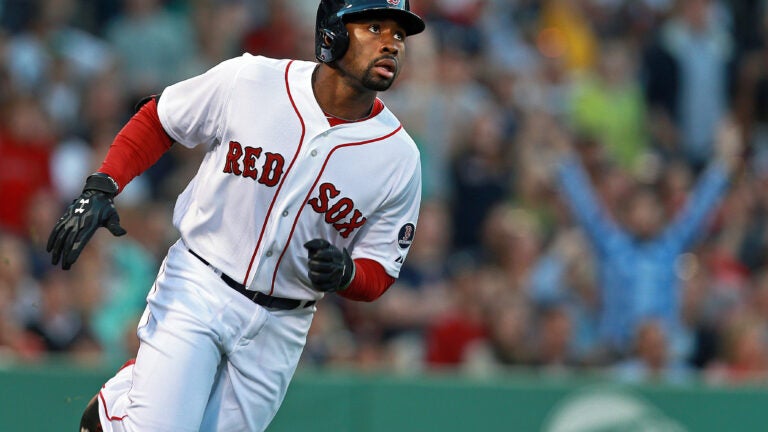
(209, 360)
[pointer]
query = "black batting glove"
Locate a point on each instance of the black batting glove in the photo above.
(330, 269)
(94, 208)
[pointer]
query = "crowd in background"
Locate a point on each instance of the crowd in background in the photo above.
(595, 182)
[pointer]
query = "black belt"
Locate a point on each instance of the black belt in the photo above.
(260, 298)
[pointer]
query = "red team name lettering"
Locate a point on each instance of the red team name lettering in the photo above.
(271, 169)
(337, 211)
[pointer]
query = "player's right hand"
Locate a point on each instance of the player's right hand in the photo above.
(330, 269)
(94, 208)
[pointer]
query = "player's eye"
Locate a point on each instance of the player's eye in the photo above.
(374, 28)
(400, 36)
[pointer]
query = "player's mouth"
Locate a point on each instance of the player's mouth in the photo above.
(386, 67)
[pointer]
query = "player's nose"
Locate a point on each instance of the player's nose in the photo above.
(389, 46)
(391, 40)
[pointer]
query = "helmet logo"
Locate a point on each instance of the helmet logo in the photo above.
(393, 2)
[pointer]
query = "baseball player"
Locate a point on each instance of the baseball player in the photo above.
(309, 186)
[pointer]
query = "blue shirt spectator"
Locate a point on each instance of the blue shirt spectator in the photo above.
(636, 268)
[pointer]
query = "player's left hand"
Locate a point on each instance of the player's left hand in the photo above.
(94, 208)
(330, 269)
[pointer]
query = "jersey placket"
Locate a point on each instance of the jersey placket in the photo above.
(287, 210)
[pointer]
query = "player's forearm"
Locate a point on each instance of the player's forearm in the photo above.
(140, 143)
(370, 282)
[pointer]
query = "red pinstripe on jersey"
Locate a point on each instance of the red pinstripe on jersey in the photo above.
(280, 186)
(298, 214)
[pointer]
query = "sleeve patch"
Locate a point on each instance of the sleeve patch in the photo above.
(406, 235)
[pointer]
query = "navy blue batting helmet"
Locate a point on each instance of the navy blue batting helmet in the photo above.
(331, 37)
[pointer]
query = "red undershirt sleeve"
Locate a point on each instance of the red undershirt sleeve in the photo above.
(140, 143)
(370, 282)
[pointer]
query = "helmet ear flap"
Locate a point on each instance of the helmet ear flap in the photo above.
(331, 37)
(327, 39)
(325, 43)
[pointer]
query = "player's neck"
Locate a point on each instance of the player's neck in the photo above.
(339, 99)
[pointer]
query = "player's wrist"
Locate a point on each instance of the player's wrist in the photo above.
(348, 275)
(101, 182)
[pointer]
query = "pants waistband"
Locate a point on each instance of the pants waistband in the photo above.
(259, 298)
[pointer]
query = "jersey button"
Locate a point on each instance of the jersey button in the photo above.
(314, 153)
(285, 213)
(269, 253)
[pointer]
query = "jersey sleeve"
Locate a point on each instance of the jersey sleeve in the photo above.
(193, 111)
(388, 235)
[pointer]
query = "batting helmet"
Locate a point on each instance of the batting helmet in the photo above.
(331, 37)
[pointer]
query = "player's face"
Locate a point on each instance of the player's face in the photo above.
(374, 53)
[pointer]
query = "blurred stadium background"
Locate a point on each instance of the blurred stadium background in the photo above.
(507, 315)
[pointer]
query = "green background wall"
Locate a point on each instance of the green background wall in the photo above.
(51, 398)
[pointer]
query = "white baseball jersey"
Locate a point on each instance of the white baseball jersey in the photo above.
(276, 175)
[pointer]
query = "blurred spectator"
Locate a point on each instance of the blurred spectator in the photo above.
(751, 107)
(26, 143)
(218, 27)
(651, 361)
(512, 242)
(456, 24)
(608, 105)
(508, 338)
(43, 211)
(692, 51)
(567, 31)
(422, 292)
(451, 334)
(554, 353)
(50, 49)
(276, 37)
(744, 353)
(563, 282)
(118, 276)
(636, 250)
(437, 108)
(481, 178)
(153, 45)
(509, 32)
(56, 321)
(329, 342)
(19, 296)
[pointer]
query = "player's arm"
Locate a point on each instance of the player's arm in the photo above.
(140, 143)
(333, 270)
